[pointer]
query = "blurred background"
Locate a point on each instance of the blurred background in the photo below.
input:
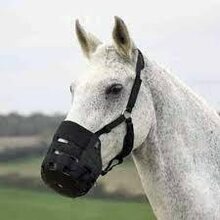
(40, 56)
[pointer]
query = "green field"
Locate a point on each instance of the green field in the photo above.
(116, 180)
(16, 204)
(22, 204)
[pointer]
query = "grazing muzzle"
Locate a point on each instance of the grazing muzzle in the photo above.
(73, 162)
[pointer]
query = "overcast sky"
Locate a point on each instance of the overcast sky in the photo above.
(39, 54)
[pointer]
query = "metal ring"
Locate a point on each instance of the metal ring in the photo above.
(127, 114)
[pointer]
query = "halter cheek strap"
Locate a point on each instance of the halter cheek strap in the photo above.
(126, 117)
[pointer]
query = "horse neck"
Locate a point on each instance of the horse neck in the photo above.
(181, 150)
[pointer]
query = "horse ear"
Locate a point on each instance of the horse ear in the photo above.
(88, 42)
(122, 40)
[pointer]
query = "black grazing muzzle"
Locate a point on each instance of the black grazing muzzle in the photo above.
(73, 162)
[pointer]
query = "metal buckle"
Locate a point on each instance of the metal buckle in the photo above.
(127, 114)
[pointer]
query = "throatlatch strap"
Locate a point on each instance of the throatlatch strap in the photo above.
(127, 147)
(128, 140)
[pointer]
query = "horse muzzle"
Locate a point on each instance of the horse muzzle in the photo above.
(73, 161)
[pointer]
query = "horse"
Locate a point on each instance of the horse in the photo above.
(176, 145)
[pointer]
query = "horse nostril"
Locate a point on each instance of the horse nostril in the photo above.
(52, 166)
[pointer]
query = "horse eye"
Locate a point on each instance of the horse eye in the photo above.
(114, 89)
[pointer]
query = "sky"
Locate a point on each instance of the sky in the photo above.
(40, 56)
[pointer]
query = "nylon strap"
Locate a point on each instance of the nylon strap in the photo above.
(107, 128)
(129, 137)
(137, 83)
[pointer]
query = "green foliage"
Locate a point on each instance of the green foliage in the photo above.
(25, 174)
(26, 205)
(14, 154)
(14, 124)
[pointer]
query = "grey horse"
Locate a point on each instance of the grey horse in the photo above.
(177, 134)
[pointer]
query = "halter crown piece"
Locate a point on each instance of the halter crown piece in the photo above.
(127, 118)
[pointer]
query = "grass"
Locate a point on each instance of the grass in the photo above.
(7, 142)
(31, 166)
(16, 204)
(116, 180)
(26, 167)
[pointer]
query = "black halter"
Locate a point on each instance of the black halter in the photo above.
(127, 118)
